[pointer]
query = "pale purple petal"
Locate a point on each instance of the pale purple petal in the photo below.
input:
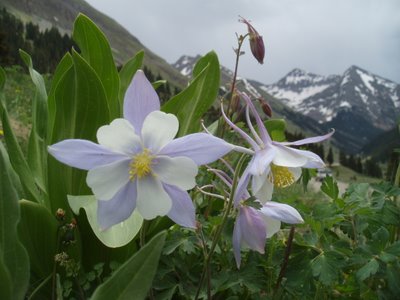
(261, 127)
(152, 200)
(118, 208)
(159, 128)
(315, 139)
(202, 148)
(182, 211)
(140, 100)
(83, 154)
(262, 160)
(281, 212)
(240, 131)
(241, 189)
(252, 228)
(236, 242)
(290, 157)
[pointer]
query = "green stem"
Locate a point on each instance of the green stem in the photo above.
(286, 259)
(217, 236)
(42, 284)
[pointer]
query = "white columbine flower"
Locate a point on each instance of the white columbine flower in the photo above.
(273, 163)
(137, 163)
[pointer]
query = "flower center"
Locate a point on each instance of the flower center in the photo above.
(140, 165)
(281, 176)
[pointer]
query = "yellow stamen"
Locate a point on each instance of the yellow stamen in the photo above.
(281, 176)
(140, 165)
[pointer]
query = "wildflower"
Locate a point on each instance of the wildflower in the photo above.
(138, 165)
(255, 222)
(256, 41)
(273, 163)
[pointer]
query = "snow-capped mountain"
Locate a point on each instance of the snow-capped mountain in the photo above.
(358, 104)
(324, 98)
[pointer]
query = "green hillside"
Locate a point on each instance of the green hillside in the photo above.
(61, 14)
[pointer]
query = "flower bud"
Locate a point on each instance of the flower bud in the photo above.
(256, 41)
(60, 214)
(265, 107)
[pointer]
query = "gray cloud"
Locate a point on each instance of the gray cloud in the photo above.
(321, 36)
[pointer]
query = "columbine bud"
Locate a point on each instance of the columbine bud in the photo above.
(60, 214)
(256, 42)
(265, 107)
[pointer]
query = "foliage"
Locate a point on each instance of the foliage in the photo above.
(347, 248)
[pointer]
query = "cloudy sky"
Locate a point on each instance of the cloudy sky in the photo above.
(320, 36)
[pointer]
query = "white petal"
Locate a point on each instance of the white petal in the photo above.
(119, 136)
(152, 200)
(178, 171)
(296, 173)
(158, 130)
(262, 188)
(106, 181)
(281, 212)
(272, 226)
(288, 157)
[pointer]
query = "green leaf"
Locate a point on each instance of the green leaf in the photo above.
(18, 160)
(368, 270)
(127, 72)
(253, 202)
(39, 109)
(116, 236)
(14, 262)
(38, 233)
(158, 83)
(64, 65)
(81, 108)
(135, 276)
(330, 187)
(276, 129)
(2, 78)
(325, 267)
(190, 104)
(96, 50)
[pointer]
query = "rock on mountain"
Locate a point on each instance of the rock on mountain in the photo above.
(358, 104)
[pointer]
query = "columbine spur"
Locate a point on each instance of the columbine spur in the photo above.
(137, 163)
(273, 163)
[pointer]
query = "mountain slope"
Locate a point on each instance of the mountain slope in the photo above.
(62, 13)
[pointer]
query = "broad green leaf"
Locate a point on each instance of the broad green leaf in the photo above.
(39, 107)
(127, 72)
(368, 270)
(64, 65)
(330, 187)
(96, 50)
(276, 129)
(14, 262)
(81, 108)
(134, 278)
(116, 236)
(191, 104)
(38, 233)
(18, 160)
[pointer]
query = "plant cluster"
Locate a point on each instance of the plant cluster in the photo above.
(120, 197)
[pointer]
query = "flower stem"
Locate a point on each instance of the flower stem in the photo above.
(217, 236)
(286, 259)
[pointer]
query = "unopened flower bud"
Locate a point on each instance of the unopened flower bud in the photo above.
(256, 41)
(60, 214)
(265, 107)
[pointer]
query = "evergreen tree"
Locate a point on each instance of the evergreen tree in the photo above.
(329, 157)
